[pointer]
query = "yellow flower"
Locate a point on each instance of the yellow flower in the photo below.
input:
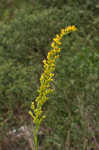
(45, 81)
(70, 28)
(56, 56)
(31, 114)
(57, 41)
(58, 37)
(44, 61)
(63, 31)
(32, 106)
(53, 44)
(47, 77)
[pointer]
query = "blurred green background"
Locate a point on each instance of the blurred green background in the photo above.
(26, 31)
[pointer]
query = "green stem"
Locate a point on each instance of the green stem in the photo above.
(36, 142)
(36, 145)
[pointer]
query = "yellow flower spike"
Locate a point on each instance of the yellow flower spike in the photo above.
(45, 81)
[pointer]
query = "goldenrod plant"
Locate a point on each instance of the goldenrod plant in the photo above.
(46, 79)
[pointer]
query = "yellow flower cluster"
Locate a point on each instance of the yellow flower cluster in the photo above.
(47, 77)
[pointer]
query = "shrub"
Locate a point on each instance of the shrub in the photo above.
(24, 43)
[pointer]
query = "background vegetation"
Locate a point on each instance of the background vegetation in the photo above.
(26, 31)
